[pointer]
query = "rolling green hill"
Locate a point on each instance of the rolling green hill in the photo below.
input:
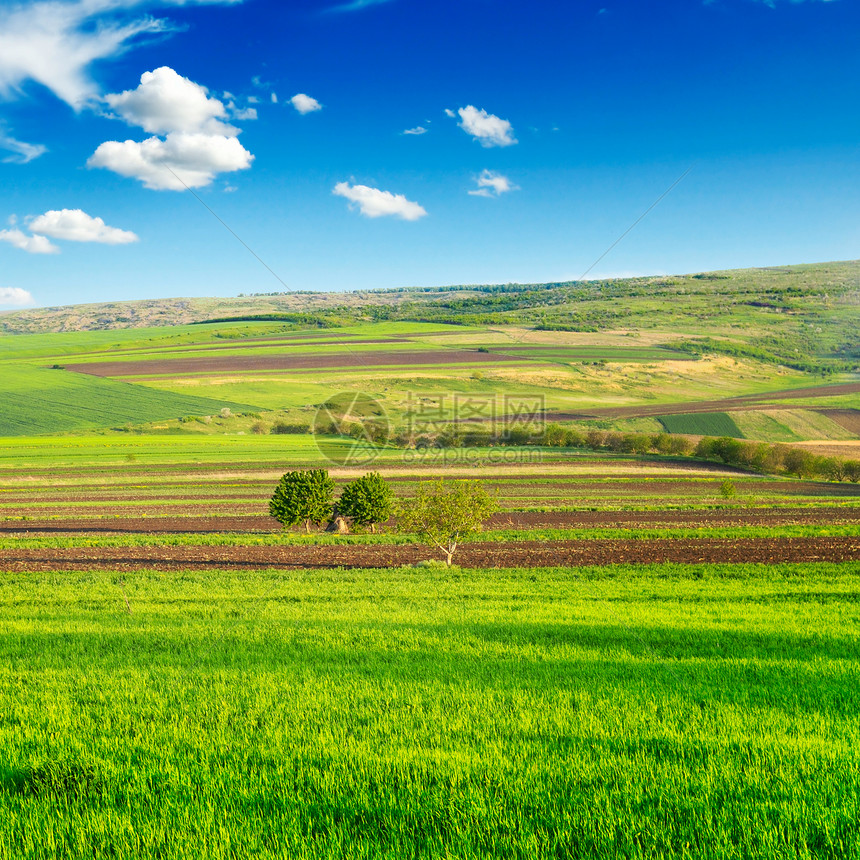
(777, 347)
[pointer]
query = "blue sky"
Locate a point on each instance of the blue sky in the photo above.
(417, 142)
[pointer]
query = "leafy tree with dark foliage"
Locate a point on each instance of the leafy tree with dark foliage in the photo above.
(368, 500)
(303, 496)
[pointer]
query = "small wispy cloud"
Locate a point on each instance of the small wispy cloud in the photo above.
(375, 203)
(419, 129)
(357, 5)
(22, 152)
(55, 43)
(492, 185)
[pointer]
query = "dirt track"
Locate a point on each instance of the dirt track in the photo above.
(480, 554)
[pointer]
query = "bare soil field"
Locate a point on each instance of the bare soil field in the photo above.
(264, 524)
(250, 363)
(479, 554)
(847, 418)
(729, 404)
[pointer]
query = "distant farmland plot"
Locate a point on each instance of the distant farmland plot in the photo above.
(702, 424)
(41, 400)
(595, 353)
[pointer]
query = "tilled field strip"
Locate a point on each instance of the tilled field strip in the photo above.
(261, 523)
(240, 363)
(730, 404)
(519, 554)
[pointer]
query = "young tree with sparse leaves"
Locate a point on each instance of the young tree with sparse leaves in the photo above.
(444, 514)
(303, 496)
(368, 500)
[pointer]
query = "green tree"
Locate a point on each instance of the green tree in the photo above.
(303, 496)
(368, 500)
(444, 514)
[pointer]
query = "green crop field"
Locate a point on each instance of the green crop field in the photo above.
(42, 400)
(702, 423)
(684, 711)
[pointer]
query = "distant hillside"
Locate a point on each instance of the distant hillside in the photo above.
(181, 311)
(805, 316)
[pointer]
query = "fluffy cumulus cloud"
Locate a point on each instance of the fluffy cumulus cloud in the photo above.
(55, 42)
(15, 297)
(20, 152)
(75, 225)
(492, 185)
(178, 162)
(197, 143)
(166, 102)
(305, 103)
(31, 244)
(487, 128)
(375, 203)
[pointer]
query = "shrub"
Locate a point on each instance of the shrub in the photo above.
(595, 439)
(303, 496)
(368, 500)
(283, 427)
(727, 489)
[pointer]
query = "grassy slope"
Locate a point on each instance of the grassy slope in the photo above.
(41, 400)
(671, 711)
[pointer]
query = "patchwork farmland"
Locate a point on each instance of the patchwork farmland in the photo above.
(644, 653)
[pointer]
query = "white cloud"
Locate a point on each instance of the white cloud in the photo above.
(375, 203)
(54, 42)
(450, 113)
(197, 145)
(15, 297)
(30, 244)
(304, 103)
(166, 102)
(274, 98)
(75, 225)
(356, 5)
(21, 152)
(492, 185)
(486, 128)
(243, 113)
(419, 129)
(178, 162)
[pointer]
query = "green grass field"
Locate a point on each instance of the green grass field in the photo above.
(702, 423)
(683, 711)
(42, 400)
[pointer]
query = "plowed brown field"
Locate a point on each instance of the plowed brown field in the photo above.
(480, 554)
(263, 524)
(250, 363)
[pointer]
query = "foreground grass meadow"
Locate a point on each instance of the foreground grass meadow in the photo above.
(649, 711)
